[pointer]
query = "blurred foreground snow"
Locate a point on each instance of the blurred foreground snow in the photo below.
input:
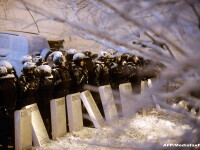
(156, 127)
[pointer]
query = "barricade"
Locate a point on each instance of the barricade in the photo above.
(58, 117)
(126, 98)
(39, 132)
(108, 103)
(74, 109)
(23, 130)
(92, 109)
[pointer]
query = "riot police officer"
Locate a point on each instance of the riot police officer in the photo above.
(9, 67)
(80, 76)
(28, 85)
(129, 67)
(93, 69)
(62, 76)
(135, 76)
(104, 61)
(70, 63)
(116, 72)
(45, 91)
(7, 106)
(69, 55)
(122, 71)
(80, 72)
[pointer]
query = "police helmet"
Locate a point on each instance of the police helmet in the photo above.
(57, 57)
(71, 51)
(29, 68)
(3, 71)
(4, 74)
(103, 54)
(7, 65)
(27, 58)
(79, 57)
(45, 71)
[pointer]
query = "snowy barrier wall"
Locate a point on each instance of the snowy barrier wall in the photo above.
(108, 103)
(74, 109)
(126, 99)
(58, 117)
(92, 109)
(23, 130)
(40, 136)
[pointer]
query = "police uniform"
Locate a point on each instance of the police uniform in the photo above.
(62, 83)
(45, 95)
(28, 85)
(61, 74)
(7, 107)
(80, 75)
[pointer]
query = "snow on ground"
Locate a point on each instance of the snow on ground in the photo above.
(156, 126)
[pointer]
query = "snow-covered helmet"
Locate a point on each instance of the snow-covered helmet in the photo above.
(7, 65)
(27, 58)
(103, 54)
(55, 54)
(38, 60)
(29, 68)
(78, 57)
(4, 74)
(45, 71)
(3, 71)
(109, 55)
(71, 51)
(58, 57)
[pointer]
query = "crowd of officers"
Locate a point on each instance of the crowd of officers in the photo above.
(62, 73)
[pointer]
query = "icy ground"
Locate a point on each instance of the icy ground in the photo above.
(159, 127)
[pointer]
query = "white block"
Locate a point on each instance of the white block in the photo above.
(74, 109)
(150, 84)
(23, 130)
(108, 103)
(58, 117)
(40, 135)
(144, 86)
(92, 109)
(126, 99)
